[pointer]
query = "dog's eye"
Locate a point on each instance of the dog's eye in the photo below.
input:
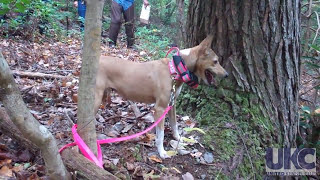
(215, 62)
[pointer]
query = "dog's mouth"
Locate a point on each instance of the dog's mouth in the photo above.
(210, 77)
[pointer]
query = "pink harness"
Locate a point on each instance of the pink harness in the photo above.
(179, 70)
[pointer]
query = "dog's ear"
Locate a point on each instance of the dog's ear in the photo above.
(206, 43)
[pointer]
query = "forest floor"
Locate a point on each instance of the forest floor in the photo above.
(53, 102)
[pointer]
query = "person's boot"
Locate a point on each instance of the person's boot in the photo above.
(112, 44)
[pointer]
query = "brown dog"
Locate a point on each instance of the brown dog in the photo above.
(150, 82)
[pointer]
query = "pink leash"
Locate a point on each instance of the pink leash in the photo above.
(98, 160)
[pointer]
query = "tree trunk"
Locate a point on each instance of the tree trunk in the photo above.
(28, 126)
(258, 42)
(180, 18)
(89, 67)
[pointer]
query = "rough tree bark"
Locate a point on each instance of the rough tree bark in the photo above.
(180, 18)
(259, 44)
(89, 66)
(22, 118)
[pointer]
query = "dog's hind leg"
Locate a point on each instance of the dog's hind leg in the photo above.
(173, 123)
(98, 98)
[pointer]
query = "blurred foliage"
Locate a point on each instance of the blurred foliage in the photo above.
(26, 18)
(309, 126)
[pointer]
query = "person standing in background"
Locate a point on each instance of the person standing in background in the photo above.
(125, 7)
(81, 5)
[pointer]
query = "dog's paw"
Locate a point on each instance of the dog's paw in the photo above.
(163, 154)
(177, 137)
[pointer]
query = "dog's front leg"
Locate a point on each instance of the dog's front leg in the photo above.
(173, 117)
(160, 132)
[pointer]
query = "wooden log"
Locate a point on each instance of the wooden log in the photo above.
(86, 169)
(37, 75)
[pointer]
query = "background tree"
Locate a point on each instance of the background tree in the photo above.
(259, 44)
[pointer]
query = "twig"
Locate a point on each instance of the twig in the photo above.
(245, 146)
(36, 75)
(218, 174)
(317, 32)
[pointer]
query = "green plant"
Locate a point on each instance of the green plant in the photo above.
(152, 40)
(25, 17)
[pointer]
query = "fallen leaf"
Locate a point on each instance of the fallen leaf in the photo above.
(112, 133)
(172, 153)
(130, 166)
(5, 162)
(177, 145)
(176, 170)
(149, 138)
(155, 158)
(189, 140)
(148, 118)
(127, 128)
(194, 129)
(150, 176)
(196, 155)
(75, 98)
(5, 171)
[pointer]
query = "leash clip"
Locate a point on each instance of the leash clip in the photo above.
(173, 92)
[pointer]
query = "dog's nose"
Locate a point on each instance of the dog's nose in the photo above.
(226, 75)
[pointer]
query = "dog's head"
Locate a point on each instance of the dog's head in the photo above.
(207, 65)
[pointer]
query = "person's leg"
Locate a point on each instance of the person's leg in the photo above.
(116, 12)
(82, 13)
(129, 25)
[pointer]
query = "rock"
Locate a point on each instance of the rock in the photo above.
(187, 176)
(208, 157)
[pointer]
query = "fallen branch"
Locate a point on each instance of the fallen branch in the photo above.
(37, 75)
(86, 169)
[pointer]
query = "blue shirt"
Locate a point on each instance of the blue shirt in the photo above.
(124, 3)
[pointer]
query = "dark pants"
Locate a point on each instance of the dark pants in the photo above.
(82, 12)
(116, 12)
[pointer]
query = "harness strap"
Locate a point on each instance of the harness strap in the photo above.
(181, 72)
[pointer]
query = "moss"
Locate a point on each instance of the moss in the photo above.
(231, 119)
